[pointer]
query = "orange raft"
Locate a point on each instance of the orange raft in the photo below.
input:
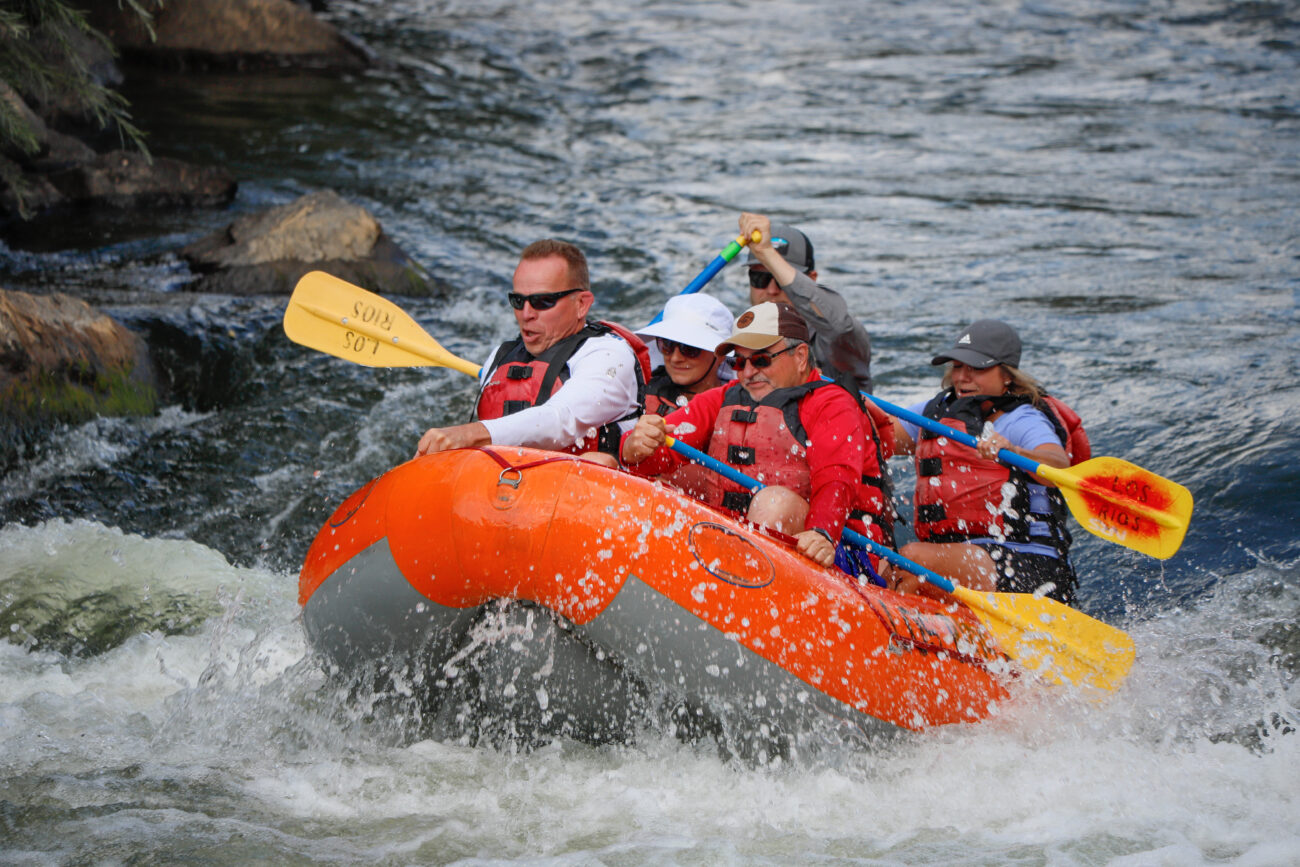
(634, 578)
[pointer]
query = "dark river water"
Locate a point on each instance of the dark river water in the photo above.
(1118, 179)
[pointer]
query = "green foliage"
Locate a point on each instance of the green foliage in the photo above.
(76, 398)
(40, 60)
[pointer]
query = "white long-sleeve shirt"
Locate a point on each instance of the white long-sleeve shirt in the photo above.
(601, 388)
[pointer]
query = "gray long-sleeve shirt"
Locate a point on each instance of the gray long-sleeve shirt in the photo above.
(840, 344)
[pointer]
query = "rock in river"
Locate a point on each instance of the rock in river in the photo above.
(63, 361)
(269, 251)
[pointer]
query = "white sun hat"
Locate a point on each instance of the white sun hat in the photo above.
(695, 320)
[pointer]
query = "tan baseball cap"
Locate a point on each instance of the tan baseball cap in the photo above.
(764, 324)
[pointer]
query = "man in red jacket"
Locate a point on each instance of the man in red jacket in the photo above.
(804, 438)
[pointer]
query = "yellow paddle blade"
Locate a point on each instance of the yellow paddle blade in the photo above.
(348, 322)
(1125, 503)
(1052, 639)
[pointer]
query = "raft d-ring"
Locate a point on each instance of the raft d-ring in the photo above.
(514, 483)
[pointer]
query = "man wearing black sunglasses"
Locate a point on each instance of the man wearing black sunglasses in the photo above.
(564, 384)
(782, 269)
(805, 438)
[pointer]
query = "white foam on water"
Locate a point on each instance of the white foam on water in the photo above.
(226, 738)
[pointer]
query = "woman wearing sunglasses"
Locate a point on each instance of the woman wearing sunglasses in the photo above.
(806, 439)
(988, 526)
(691, 327)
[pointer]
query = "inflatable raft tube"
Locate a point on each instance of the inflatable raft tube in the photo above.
(640, 582)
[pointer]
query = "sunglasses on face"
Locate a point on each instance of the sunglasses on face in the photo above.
(760, 360)
(667, 346)
(759, 279)
(541, 300)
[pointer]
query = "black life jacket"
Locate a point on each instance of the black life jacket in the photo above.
(661, 395)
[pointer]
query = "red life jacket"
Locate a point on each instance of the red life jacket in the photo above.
(767, 441)
(519, 380)
(1076, 438)
(959, 495)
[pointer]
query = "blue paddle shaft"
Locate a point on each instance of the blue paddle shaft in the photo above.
(710, 271)
(705, 276)
(696, 456)
(1005, 455)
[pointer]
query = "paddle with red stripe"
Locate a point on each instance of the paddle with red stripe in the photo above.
(1110, 497)
(1041, 634)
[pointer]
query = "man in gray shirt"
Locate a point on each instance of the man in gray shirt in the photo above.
(782, 269)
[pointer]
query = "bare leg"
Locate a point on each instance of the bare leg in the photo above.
(779, 508)
(600, 458)
(965, 564)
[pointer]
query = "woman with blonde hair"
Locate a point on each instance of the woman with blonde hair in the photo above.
(985, 525)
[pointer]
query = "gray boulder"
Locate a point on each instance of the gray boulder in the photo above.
(268, 252)
(24, 187)
(17, 106)
(63, 173)
(124, 179)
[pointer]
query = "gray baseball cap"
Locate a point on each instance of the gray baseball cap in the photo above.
(793, 246)
(983, 344)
